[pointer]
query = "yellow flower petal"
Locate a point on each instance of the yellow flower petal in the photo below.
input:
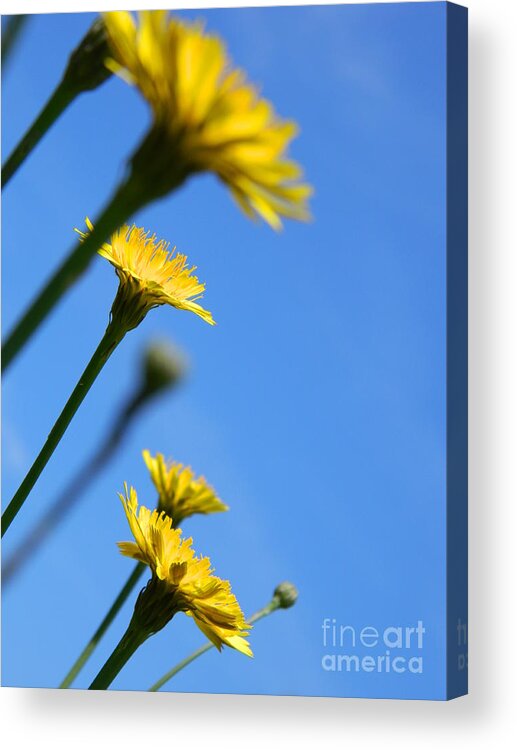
(161, 276)
(189, 579)
(180, 493)
(214, 120)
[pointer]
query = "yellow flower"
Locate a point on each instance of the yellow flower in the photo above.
(213, 118)
(186, 582)
(150, 274)
(180, 493)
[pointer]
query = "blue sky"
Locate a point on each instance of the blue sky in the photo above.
(316, 407)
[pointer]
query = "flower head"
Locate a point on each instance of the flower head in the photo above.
(214, 120)
(185, 582)
(180, 493)
(150, 274)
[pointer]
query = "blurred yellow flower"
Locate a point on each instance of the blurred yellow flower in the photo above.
(150, 275)
(213, 119)
(181, 582)
(180, 493)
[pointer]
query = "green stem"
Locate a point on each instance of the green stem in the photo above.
(130, 641)
(85, 71)
(13, 28)
(72, 493)
(107, 345)
(62, 96)
(126, 200)
(183, 663)
(114, 610)
(264, 612)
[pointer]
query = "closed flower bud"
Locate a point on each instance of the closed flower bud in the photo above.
(86, 69)
(163, 366)
(285, 594)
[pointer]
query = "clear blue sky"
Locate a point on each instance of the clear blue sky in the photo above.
(315, 407)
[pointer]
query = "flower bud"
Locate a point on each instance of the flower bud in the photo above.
(86, 69)
(163, 366)
(285, 594)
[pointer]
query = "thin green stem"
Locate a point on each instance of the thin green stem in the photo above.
(85, 71)
(264, 612)
(61, 98)
(128, 644)
(101, 355)
(112, 613)
(72, 493)
(126, 200)
(183, 663)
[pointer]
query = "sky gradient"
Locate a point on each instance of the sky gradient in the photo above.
(316, 407)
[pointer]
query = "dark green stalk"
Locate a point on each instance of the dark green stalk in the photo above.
(108, 343)
(108, 619)
(85, 71)
(121, 206)
(162, 368)
(153, 174)
(130, 641)
(112, 613)
(62, 96)
(154, 608)
(72, 493)
(13, 28)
